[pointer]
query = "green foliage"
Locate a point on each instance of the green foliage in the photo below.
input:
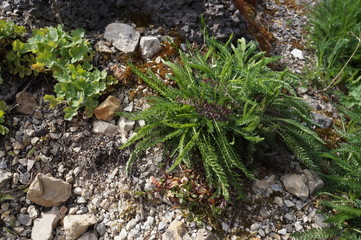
(227, 103)
(67, 57)
(346, 180)
(8, 32)
(333, 23)
(3, 129)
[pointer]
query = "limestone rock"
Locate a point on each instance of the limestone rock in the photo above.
(296, 185)
(107, 109)
(322, 120)
(149, 46)
(297, 53)
(266, 183)
(176, 231)
(48, 191)
(26, 103)
(4, 177)
(88, 236)
(43, 226)
(124, 37)
(103, 47)
(125, 125)
(104, 128)
(314, 182)
(76, 225)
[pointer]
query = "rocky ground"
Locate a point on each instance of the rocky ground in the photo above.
(68, 179)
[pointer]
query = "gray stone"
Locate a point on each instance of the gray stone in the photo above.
(176, 231)
(149, 46)
(289, 203)
(314, 182)
(296, 185)
(276, 188)
(6, 7)
(76, 225)
(48, 191)
(319, 221)
(88, 236)
(103, 47)
(322, 120)
(124, 37)
(25, 103)
(264, 184)
(43, 226)
(23, 219)
(104, 128)
(4, 177)
(101, 229)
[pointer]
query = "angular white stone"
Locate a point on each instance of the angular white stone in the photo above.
(149, 46)
(76, 225)
(124, 37)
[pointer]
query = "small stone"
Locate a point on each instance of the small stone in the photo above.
(298, 226)
(4, 177)
(264, 184)
(129, 108)
(296, 185)
(24, 178)
(33, 212)
(225, 227)
(48, 191)
(297, 53)
(124, 37)
(261, 232)
(125, 125)
(319, 221)
(25, 103)
(276, 188)
(43, 226)
(283, 231)
(6, 7)
(149, 46)
(289, 203)
(101, 229)
(104, 128)
(107, 109)
(76, 225)
(254, 227)
(162, 225)
(322, 120)
(176, 231)
(131, 224)
(314, 182)
(122, 235)
(88, 236)
(103, 47)
(278, 201)
(23, 219)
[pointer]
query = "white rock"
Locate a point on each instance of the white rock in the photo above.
(4, 176)
(104, 128)
(297, 53)
(6, 7)
(76, 225)
(283, 231)
(43, 226)
(129, 108)
(33, 212)
(88, 236)
(124, 37)
(149, 46)
(122, 235)
(225, 227)
(125, 125)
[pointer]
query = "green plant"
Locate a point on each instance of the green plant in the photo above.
(66, 56)
(227, 102)
(333, 23)
(8, 32)
(346, 181)
(3, 129)
(189, 191)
